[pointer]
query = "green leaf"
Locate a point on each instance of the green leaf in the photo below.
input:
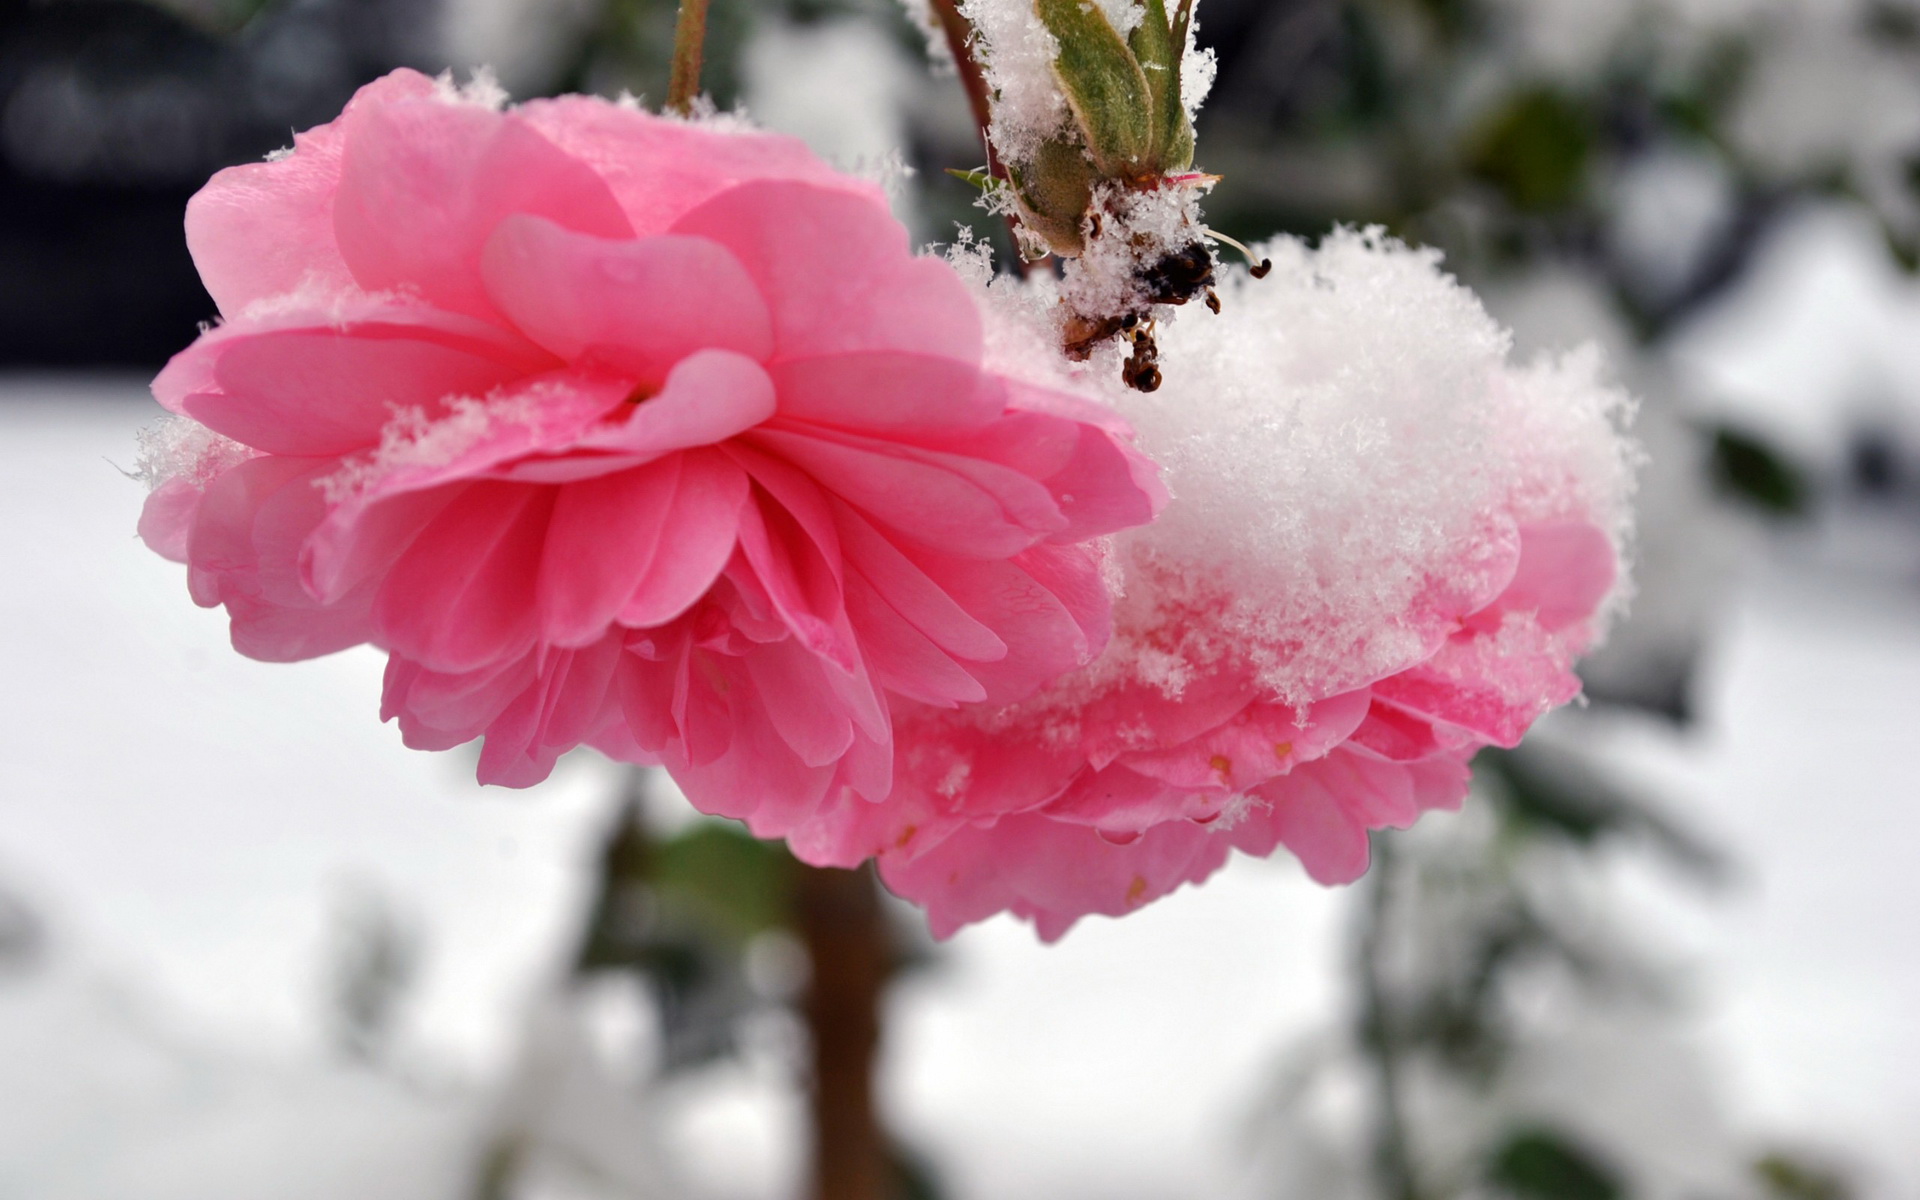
(1748, 468)
(1542, 1164)
(1158, 54)
(1536, 150)
(735, 880)
(1105, 87)
(1789, 1178)
(979, 177)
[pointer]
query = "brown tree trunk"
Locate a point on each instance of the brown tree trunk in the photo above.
(846, 937)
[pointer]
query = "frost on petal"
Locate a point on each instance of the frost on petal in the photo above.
(1385, 547)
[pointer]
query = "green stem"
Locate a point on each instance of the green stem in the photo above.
(689, 43)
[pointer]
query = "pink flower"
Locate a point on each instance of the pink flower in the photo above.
(1385, 549)
(1053, 813)
(619, 430)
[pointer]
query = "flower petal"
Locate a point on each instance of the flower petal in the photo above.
(837, 274)
(704, 519)
(636, 306)
(960, 505)
(660, 169)
(331, 391)
(424, 182)
(266, 229)
(461, 597)
(889, 393)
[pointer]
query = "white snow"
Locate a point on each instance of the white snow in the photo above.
(1335, 440)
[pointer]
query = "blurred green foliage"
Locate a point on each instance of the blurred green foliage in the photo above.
(1545, 1164)
(1747, 468)
(1535, 149)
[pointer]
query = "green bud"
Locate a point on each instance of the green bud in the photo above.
(1105, 87)
(1055, 189)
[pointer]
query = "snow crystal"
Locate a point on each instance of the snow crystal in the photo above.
(481, 90)
(1346, 433)
(1198, 67)
(177, 447)
(1136, 228)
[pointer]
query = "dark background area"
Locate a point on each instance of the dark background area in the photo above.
(113, 113)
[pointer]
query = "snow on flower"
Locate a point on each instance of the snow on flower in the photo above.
(627, 431)
(1385, 548)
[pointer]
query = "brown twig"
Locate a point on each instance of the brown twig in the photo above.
(845, 932)
(689, 46)
(960, 43)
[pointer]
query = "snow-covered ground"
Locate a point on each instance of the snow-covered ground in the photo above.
(189, 821)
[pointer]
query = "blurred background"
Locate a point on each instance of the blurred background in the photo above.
(252, 949)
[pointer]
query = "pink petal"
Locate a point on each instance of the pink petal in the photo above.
(836, 271)
(799, 579)
(757, 777)
(1565, 572)
(423, 183)
(604, 535)
(568, 702)
(962, 505)
(791, 684)
(461, 597)
(709, 396)
(889, 393)
(1050, 873)
(335, 559)
(1096, 478)
(167, 517)
(243, 553)
(636, 306)
(1302, 814)
(375, 318)
(911, 593)
(330, 391)
(971, 773)
(901, 657)
(540, 415)
(439, 711)
(659, 168)
(266, 229)
(1039, 606)
(1260, 742)
(1122, 803)
(700, 529)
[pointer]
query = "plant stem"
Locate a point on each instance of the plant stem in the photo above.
(689, 44)
(960, 43)
(845, 932)
(1380, 1037)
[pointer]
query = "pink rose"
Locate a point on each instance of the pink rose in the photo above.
(1385, 549)
(620, 430)
(1100, 800)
